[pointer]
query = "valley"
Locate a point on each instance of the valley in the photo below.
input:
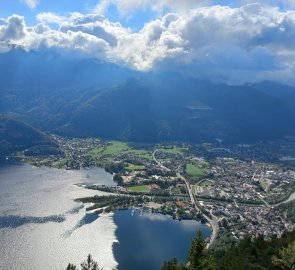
(147, 135)
(235, 189)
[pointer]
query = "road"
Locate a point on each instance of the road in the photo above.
(212, 221)
(159, 163)
(264, 201)
(290, 199)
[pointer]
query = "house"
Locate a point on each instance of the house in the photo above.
(180, 204)
(154, 186)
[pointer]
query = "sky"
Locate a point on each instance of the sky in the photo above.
(229, 41)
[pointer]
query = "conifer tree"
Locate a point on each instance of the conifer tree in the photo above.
(196, 252)
(71, 267)
(89, 264)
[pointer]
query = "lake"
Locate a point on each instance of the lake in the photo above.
(42, 227)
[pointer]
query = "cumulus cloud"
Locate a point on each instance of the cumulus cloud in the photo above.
(13, 28)
(91, 24)
(14, 32)
(248, 43)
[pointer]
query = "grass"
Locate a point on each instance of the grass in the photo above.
(174, 150)
(135, 167)
(194, 170)
(205, 163)
(115, 148)
(206, 183)
(139, 188)
(141, 153)
(96, 152)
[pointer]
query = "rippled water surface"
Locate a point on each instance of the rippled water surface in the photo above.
(42, 227)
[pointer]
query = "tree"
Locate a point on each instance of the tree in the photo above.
(170, 265)
(196, 252)
(286, 258)
(89, 264)
(198, 257)
(173, 265)
(71, 267)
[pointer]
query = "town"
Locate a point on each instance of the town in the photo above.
(233, 189)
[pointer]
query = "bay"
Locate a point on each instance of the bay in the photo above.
(43, 227)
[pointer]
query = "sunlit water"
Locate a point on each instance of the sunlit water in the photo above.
(42, 227)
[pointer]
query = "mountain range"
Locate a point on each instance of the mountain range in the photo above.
(86, 97)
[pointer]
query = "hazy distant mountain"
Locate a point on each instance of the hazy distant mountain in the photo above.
(48, 70)
(18, 136)
(86, 98)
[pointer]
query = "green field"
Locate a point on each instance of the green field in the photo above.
(139, 188)
(135, 167)
(194, 170)
(115, 148)
(175, 150)
(141, 153)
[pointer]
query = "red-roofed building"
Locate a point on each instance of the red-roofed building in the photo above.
(180, 204)
(154, 186)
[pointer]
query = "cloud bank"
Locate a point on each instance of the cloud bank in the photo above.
(250, 43)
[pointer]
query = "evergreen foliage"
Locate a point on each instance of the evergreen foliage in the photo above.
(88, 264)
(249, 254)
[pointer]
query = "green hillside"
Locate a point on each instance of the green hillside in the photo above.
(18, 136)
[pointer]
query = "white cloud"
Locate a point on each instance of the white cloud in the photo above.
(13, 29)
(249, 43)
(31, 3)
(50, 18)
(285, 4)
(128, 7)
(41, 28)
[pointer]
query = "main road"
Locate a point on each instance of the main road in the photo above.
(159, 163)
(212, 221)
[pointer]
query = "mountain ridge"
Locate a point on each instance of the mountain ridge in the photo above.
(16, 135)
(85, 98)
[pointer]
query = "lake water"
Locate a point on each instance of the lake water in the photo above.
(42, 227)
(146, 241)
